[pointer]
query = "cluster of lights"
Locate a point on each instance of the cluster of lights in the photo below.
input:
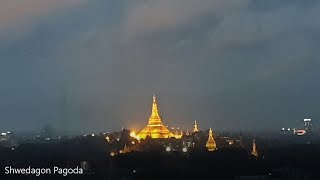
(85, 135)
(184, 149)
(5, 133)
(115, 153)
(134, 135)
(108, 138)
(230, 142)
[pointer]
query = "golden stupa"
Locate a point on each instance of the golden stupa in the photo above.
(195, 129)
(211, 144)
(254, 151)
(155, 128)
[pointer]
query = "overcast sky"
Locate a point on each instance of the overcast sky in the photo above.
(93, 65)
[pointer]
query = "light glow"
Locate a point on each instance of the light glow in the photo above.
(134, 135)
(300, 132)
(184, 149)
(168, 149)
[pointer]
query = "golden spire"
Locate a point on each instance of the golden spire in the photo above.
(154, 112)
(211, 144)
(155, 127)
(254, 151)
(195, 129)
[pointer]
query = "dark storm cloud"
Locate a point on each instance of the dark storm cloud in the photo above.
(95, 65)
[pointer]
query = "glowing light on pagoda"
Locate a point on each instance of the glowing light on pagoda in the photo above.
(134, 135)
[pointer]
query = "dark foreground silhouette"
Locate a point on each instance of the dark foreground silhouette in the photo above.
(294, 162)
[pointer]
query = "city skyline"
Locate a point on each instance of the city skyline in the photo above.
(93, 66)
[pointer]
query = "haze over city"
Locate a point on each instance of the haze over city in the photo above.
(83, 65)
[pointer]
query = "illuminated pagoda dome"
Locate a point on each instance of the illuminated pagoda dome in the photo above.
(155, 128)
(211, 144)
(195, 128)
(254, 151)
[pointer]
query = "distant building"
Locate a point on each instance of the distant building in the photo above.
(241, 141)
(307, 129)
(307, 124)
(4, 137)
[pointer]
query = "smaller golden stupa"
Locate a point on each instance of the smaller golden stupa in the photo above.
(195, 128)
(254, 151)
(211, 144)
